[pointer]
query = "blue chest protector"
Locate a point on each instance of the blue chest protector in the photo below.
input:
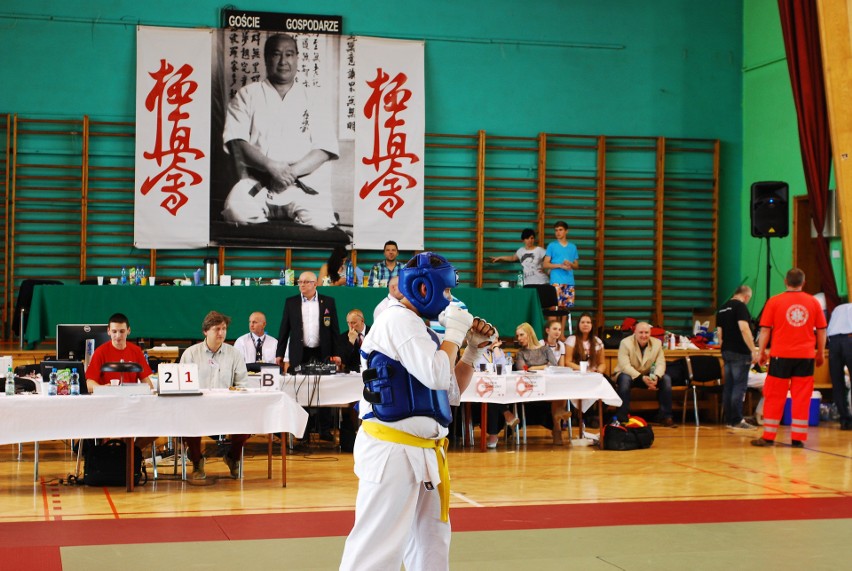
(395, 394)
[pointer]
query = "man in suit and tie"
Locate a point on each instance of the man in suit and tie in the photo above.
(355, 336)
(352, 339)
(257, 346)
(642, 364)
(309, 332)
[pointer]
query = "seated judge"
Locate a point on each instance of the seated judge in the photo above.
(117, 350)
(220, 366)
(355, 336)
(642, 365)
(533, 355)
(257, 346)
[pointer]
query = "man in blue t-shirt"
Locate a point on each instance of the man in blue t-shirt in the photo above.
(561, 259)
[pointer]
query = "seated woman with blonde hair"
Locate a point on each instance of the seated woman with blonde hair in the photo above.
(532, 355)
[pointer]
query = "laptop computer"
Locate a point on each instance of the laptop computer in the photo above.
(48, 365)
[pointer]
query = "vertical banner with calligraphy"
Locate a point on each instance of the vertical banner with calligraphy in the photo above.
(173, 89)
(389, 143)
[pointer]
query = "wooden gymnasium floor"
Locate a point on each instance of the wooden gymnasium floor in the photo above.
(698, 499)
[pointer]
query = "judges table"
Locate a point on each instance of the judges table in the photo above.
(33, 418)
(325, 390)
(583, 388)
(172, 312)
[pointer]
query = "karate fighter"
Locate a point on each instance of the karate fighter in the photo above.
(401, 512)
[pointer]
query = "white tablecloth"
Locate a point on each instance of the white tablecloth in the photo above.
(583, 388)
(337, 390)
(29, 418)
(327, 390)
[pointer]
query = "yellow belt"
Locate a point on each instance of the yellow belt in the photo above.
(388, 434)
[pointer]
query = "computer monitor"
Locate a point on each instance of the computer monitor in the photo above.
(71, 339)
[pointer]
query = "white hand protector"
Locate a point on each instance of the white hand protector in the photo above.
(457, 322)
(472, 350)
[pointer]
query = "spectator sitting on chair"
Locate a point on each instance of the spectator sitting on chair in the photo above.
(220, 366)
(387, 268)
(642, 364)
(530, 256)
(257, 346)
(333, 272)
(533, 355)
(583, 346)
(552, 336)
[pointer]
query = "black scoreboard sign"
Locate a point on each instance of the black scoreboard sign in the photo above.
(276, 22)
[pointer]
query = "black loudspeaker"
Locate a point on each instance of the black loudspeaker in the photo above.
(769, 212)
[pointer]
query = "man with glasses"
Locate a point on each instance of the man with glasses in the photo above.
(310, 333)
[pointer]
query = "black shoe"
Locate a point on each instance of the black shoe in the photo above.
(846, 425)
(797, 444)
(762, 442)
(327, 436)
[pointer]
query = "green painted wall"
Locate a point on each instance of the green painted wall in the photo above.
(616, 67)
(770, 148)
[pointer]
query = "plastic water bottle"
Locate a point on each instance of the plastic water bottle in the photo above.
(10, 382)
(53, 385)
(123, 280)
(509, 362)
(283, 277)
(74, 384)
(350, 274)
(520, 282)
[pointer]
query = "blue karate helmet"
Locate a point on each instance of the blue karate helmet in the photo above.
(434, 271)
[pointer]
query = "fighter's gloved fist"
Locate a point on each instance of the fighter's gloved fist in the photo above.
(457, 322)
(480, 335)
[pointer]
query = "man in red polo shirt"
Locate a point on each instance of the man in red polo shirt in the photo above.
(796, 323)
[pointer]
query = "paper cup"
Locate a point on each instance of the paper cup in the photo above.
(584, 366)
(499, 368)
(113, 281)
(115, 382)
(237, 281)
(100, 280)
(151, 280)
(225, 280)
(504, 284)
